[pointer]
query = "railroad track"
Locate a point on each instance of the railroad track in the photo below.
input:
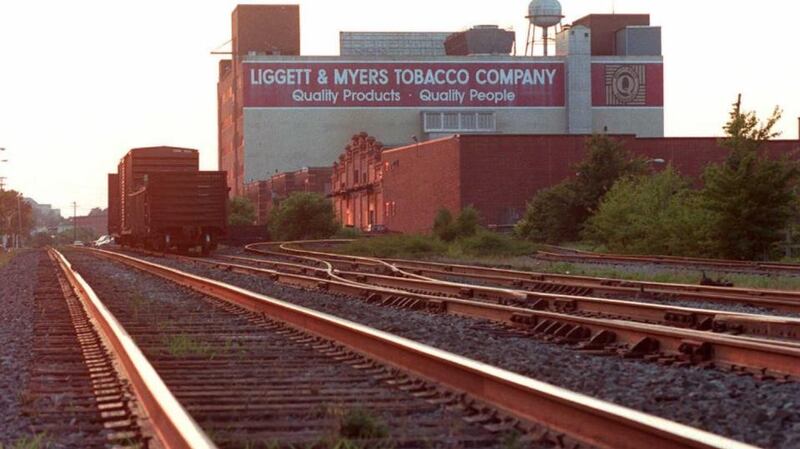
(734, 266)
(75, 397)
(438, 376)
(768, 359)
(782, 300)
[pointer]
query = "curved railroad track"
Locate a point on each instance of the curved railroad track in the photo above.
(559, 254)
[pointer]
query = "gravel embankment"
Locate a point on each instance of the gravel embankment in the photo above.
(765, 414)
(17, 282)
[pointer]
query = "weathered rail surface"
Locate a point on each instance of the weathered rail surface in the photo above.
(587, 419)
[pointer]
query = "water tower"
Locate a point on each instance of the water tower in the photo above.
(543, 14)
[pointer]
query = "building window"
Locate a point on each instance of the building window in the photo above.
(459, 122)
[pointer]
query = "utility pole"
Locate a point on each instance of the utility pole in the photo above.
(2, 183)
(19, 220)
(74, 222)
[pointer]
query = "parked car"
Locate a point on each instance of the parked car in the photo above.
(377, 229)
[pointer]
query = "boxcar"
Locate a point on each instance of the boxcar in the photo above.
(159, 199)
(140, 162)
(113, 205)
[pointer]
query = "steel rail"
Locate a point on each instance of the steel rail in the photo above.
(678, 316)
(674, 260)
(767, 298)
(779, 358)
(173, 426)
(753, 324)
(588, 419)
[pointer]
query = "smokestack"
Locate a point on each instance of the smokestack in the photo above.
(798, 128)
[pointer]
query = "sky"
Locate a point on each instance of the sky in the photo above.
(81, 82)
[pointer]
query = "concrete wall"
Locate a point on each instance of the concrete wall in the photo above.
(288, 139)
(641, 121)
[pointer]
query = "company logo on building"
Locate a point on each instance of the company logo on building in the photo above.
(626, 85)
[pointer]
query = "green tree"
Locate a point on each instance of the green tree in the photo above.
(751, 195)
(241, 211)
(15, 213)
(303, 215)
(657, 214)
(558, 213)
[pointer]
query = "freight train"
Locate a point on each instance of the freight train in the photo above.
(159, 199)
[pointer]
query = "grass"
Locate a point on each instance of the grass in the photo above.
(484, 244)
(185, 346)
(497, 250)
(38, 441)
(676, 276)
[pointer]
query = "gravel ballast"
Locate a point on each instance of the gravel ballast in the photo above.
(17, 282)
(765, 414)
(151, 307)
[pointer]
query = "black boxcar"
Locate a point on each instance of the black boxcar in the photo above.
(179, 210)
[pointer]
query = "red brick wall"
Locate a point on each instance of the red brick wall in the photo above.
(266, 29)
(97, 223)
(500, 174)
(227, 115)
(690, 155)
(418, 180)
(604, 29)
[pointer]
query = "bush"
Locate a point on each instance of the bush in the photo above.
(467, 222)
(550, 217)
(557, 214)
(241, 211)
(443, 226)
(656, 214)
(464, 226)
(303, 216)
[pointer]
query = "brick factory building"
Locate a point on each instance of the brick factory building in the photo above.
(403, 188)
(268, 194)
(280, 111)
